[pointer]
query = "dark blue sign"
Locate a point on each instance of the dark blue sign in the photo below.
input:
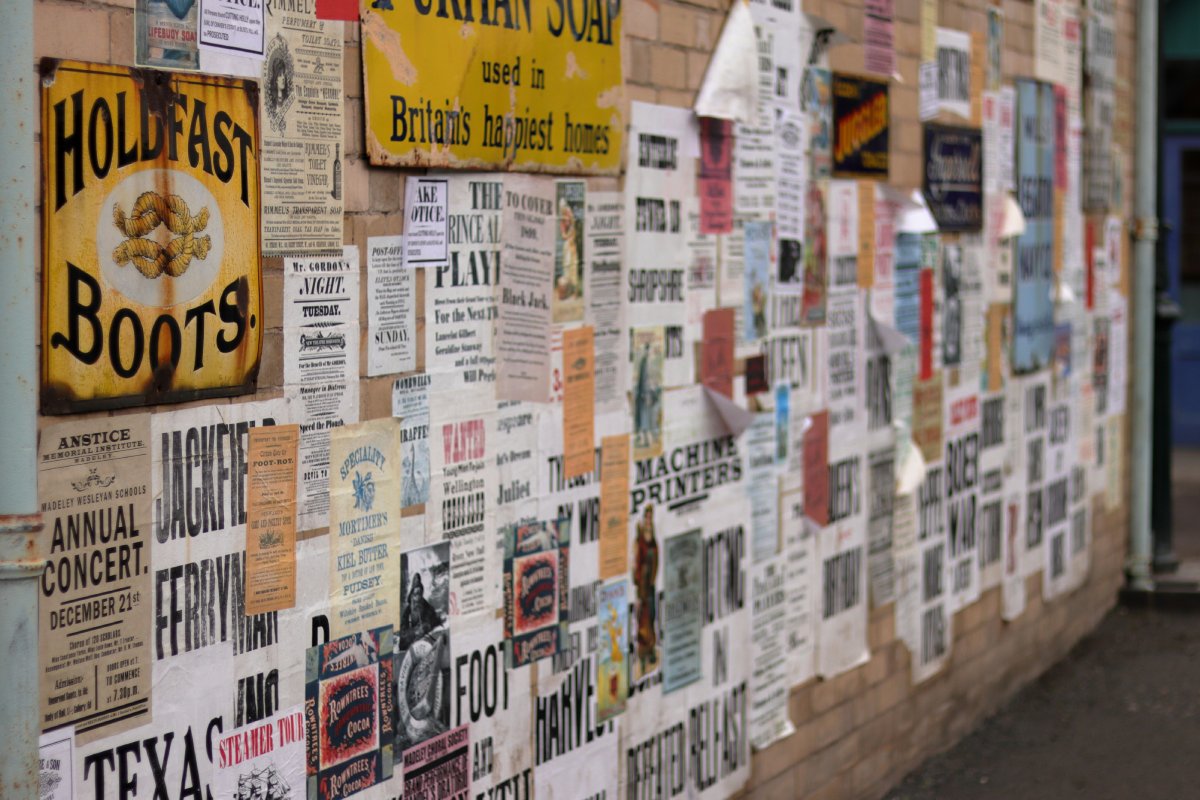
(953, 180)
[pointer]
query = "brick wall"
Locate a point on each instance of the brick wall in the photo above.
(858, 734)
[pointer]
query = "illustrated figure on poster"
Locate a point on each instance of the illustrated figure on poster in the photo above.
(814, 255)
(645, 576)
(645, 400)
(569, 252)
(952, 310)
(568, 231)
(423, 657)
(791, 257)
(758, 301)
(279, 90)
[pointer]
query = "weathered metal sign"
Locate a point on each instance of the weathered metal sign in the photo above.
(151, 282)
(526, 84)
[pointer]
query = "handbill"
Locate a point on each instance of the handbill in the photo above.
(879, 53)
(271, 518)
(56, 764)
(364, 523)
(410, 402)
(579, 402)
(232, 27)
(302, 121)
(524, 291)
(800, 563)
(954, 72)
(94, 642)
(647, 357)
(683, 609)
(614, 505)
(391, 308)
(716, 175)
(320, 365)
(439, 769)
(427, 221)
(842, 547)
(536, 581)
(605, 218)
(717, 351)
(423, 647)
(265, 758)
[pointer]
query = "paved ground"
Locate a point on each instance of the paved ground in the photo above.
(1118, 718)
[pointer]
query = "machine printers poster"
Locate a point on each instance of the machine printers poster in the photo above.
(320, 365)
(391, 308)
(94, 475)
(302, 102)
(604, 220)
(364, 523)
(663, 145)
(460, 304)
(265, 758)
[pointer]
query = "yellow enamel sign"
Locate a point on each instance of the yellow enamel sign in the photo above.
(151, 282)
(521, 84)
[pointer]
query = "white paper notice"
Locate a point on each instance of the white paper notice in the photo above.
(426, 221)
(605, 309)
(391, 308)
(320, 366)
(232, 27)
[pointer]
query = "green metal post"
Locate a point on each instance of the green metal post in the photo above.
(20, 521)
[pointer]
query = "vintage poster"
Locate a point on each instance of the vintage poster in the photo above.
(992, 482)
(614, 505)
(495, 701)
(759, 238)
(762, 445)
(933, 620)
(569, 252)
(812, 310)
(953, 177)
(1033, 301)
(604, 218)
(426, 221)
(348, 714)
(612, 669)
(139, 256)
(579, 402)
(536, 589)
(464, 498)
(878, 31)
(1099, 102)
(524, 293)
(1034, 414)
(1056, 506)
(231, 27)
(320, 365)
(517, 87)
(439, 769)
(661, 177)
(575, 754)
(56, 764)
(791, 133)
(410, 402)
(881, 483)
(754, 170)
(960, 476)
(302, 117)
(460, 304)
(423, 647)
(845, 358)
(954, 72)
(165, 34)
(717, 351)
(264, 759)
(816, 468)
(94, 647)
(770, 681)
(800, 565)
(683, 608)
(644, 606)
(995, 48)
(271, 465)
(1048, 47)
(646, 356)
(860, 125)
(364, 524)
(842, 546)
(715, 185)
(817, 103)
(391, 308)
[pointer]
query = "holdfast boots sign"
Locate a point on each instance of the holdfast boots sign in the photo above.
(150, 275)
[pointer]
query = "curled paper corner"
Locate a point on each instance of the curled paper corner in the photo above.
(885, 337)
(730, 87)
(916, 218)
(912, 465)
(736, 418)
(1014, 219)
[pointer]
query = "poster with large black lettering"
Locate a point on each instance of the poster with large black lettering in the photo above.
(150, 271)
(94, 607)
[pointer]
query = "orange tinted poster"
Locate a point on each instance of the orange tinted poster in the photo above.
(271, 518)
(579, 402)
(614, 506)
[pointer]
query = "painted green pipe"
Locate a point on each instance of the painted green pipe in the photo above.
(19, 518)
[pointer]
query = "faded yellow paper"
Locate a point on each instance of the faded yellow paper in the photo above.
(271, 518)
(614, 506)
(579, 402)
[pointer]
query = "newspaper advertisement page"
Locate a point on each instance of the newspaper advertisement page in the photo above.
(320, 365)
(391, 308)
(770, 680)
(525, 288)
(800, 564)
(460, 304)
(410, 402)
(663, 145)
(605, 220)
(302, 121)
(271, 518)
(94, 475)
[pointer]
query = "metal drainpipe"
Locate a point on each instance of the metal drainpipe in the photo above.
(20, 521)
(1145, 237)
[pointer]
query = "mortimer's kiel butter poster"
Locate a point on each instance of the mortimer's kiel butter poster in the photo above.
(151, 276)
(524, 84)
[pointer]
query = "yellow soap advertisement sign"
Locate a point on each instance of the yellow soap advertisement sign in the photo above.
(530, 85)
(151, 281)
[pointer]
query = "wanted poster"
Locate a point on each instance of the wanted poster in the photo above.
(391, 308)
(94, 648)
(523, 296)
(302, 98)
(364, 524)
(320, 365)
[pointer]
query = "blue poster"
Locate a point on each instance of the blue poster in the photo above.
(1033, 293)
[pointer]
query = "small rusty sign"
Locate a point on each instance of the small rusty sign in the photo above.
(151, 278)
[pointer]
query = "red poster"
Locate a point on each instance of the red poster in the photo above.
(716, 175)
(816, 469)
(346, 10)
(926, 347)
(716, 351)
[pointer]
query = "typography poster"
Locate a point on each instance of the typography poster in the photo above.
(271, 518)
(263, 759)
